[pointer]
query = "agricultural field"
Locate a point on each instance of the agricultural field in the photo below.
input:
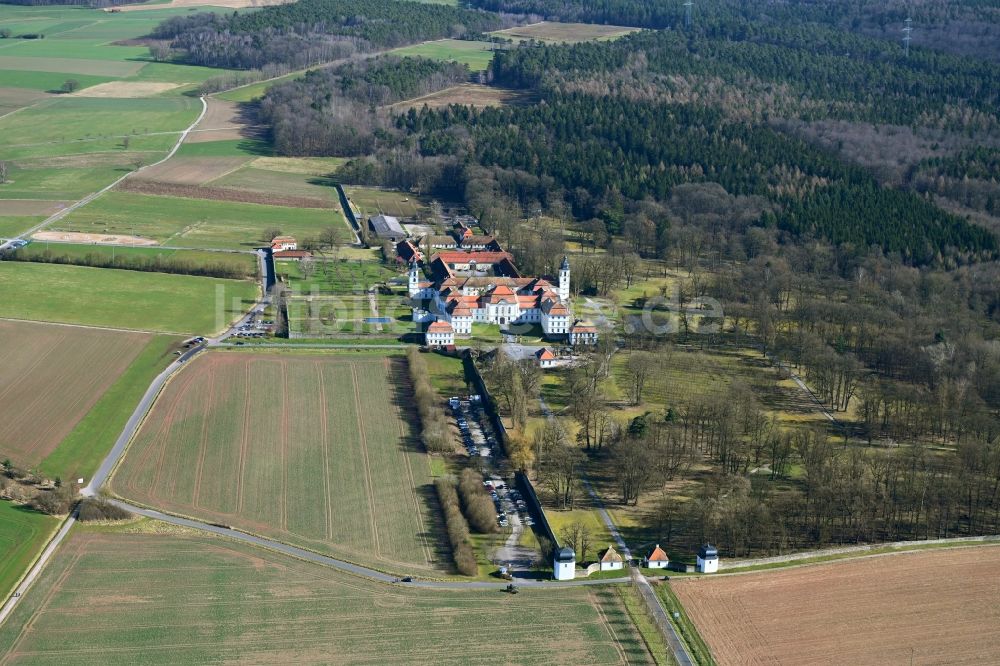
(107, 297)
(12, 225)
(931, 607)
(471, 94)
(23, 533)
(80, 453)
(52, 377)
(476, 55)
(326, 459)
(372, 201)
(182, 221)
(564, 32)
(155, 595)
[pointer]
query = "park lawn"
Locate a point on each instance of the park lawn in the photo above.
(225, 148)
(476, 55)
(310, 448)
(122, 299)
(447, 375)
(66, 119)
(198, 223)
(246, 262)
(80, 454)
(335, 276)
(156, 594)
(23, 534)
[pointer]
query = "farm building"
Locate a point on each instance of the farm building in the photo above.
(407, 252)
(708, 559)
(564, 564)
(657, 559)
(440, 334)
(610, 559)
(283, 243)
(545, 358)
(387, 227)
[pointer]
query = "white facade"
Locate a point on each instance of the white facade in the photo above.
(657, 559)
(564, 280)
(439, 336)
(612, 566)
(707, 560)
(564, 564)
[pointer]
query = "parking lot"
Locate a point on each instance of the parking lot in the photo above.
(480, 443)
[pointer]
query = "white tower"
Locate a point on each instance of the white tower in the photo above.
(564, 564)
(708, 559)
(414, 278)
(564, 281)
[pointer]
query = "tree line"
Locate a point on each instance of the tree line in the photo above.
(312, 31)
(131, 262)
(332, 111)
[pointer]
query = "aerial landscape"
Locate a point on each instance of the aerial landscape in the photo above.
(500, 331)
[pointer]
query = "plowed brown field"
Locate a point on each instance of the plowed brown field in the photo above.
(51, 376)
(943, 605)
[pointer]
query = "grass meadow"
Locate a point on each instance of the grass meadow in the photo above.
(312, 449)
(476, 55)
(197, 223)
(108, 297)
(52, 377)
(23, 534)
(155, 595)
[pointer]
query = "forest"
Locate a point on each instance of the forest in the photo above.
(599, 149)
(312, 31)
(331, 111)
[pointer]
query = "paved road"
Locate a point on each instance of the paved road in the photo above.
(36, 569)
(674, 641)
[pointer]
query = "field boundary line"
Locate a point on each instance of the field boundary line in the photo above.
(363, 438)
(324, 424)
(595, 602)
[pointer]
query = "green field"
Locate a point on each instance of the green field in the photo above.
(185, 598)
(313, 449)
(371, 201)
(81, 452)
(23, 534)
(280, 183)
(245, 262)
(225, 148)
(13, 225)
(251, 92)
(198, 223)
(335, 276)
(477, 55)
(65, 120)
(122, 299)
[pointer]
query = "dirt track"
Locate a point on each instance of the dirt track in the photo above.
(80, 237)
(942, 604)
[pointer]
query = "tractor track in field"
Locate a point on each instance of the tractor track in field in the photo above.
(244, 442)
(203, 443)
(325, 429)
(368, 467)
(284, 446)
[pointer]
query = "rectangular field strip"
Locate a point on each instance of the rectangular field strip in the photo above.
(314, 450)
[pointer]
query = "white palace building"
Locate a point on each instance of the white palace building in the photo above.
(460, 297)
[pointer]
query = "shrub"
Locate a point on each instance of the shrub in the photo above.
(434, 427)
(92, 509)
(478, 506)
(458, 528)
(54, 502)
